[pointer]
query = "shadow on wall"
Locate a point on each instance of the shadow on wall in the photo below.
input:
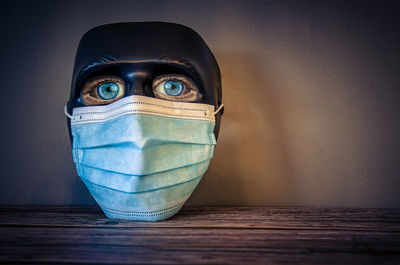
(251, 164)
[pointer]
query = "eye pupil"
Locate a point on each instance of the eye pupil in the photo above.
(173, 88)
(108, 90)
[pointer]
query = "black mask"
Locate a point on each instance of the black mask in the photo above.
(137, 54)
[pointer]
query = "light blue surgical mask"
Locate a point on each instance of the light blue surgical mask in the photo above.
(142, 157)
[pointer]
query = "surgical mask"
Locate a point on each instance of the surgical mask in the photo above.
(142, 157)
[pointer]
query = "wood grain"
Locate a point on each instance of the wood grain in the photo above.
(207, 235)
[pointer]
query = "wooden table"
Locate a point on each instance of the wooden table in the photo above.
(212, 235)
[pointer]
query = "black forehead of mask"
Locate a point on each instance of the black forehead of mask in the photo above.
(136, 42)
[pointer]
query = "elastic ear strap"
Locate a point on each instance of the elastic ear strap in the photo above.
(66, 112)
(219, 109)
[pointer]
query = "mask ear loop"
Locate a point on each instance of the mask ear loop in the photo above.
(66, 112)
(219, 109)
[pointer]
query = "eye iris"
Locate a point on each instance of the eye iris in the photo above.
(173, 88)
(108, 90)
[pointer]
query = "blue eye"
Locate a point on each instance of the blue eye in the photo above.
(108, 90)
(173, 88)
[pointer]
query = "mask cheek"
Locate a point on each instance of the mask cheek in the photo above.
(159, 204)
(138, 183)
(149, 198)
(127, 159)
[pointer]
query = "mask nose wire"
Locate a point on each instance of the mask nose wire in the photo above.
(66, 112)
(70, 116)
(219, 109)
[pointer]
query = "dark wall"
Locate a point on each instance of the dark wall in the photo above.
(311, 88)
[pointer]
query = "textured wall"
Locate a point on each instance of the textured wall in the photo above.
(311, 90)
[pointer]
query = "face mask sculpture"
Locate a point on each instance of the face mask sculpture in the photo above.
(143, 116)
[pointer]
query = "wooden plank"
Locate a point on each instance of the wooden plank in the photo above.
(207, 235)
(232, 217)
(168, 245)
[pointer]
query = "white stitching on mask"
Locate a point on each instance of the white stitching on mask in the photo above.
(144, 112)
(144, 214)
